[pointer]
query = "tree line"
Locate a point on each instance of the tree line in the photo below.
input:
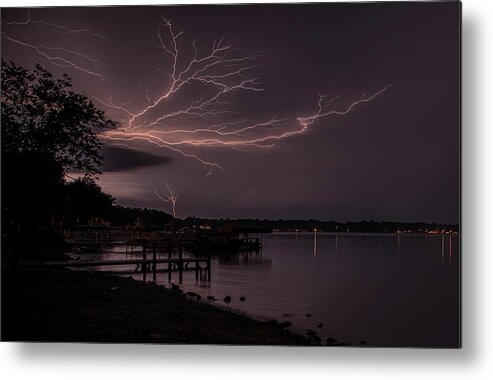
(50, 134)
(327, 226)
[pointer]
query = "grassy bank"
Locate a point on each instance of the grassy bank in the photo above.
(70, 306)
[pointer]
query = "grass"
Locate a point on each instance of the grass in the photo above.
(71, 306)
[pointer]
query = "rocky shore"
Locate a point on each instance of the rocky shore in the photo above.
(79, 306)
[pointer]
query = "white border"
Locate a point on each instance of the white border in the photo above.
(82, 361)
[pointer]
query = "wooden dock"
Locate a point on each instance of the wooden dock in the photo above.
(145, 265)
(199, 265)
(167, 250)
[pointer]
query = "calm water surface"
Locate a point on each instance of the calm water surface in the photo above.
(386, 289)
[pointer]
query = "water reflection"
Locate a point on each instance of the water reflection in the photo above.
(450, 248)
(360, 289)
(315, 243)
(447, 242)
(443, 246)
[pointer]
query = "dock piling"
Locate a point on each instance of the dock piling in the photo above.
(169, 262)
(144, 263)
(154, 263)
(180, 261)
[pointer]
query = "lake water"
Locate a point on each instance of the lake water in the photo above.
(385, 289)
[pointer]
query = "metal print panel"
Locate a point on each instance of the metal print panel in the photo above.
(281, 174)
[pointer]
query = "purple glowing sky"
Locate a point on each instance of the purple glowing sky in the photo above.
(243, 131)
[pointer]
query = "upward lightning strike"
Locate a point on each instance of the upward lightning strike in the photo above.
(170, 197)
(218, 73)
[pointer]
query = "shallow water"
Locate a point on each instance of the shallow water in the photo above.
(385, 289)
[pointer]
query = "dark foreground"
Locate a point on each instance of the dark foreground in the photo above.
(69, 306)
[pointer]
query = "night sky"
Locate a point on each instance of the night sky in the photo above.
(393, 157)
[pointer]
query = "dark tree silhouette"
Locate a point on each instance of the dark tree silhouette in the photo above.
(42, 114)
(48, 130)
(85, 200)
(149, 218)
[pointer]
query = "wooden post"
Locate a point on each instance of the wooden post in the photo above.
(209, 267)
(144, 263)
(154, 263)
(169, 259)
(14, 263)
(180, 262)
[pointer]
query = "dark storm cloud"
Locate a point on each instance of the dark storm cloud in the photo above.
(119, 159)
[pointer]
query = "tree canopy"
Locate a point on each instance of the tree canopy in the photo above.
(85, 200)
(41, 114)
(48, 130)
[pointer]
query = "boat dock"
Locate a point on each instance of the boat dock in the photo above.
(149, 264)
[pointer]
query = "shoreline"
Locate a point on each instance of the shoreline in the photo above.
(42, 305)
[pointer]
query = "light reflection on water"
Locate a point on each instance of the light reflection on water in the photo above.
(386, 289)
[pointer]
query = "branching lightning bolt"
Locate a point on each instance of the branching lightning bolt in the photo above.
(207, 118)
(66, 61)
(219, 72)
(63, 28)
